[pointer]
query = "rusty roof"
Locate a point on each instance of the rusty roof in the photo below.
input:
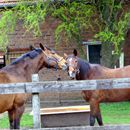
(11, 3)
(8, 3)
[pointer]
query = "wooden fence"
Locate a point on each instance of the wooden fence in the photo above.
(36, 87)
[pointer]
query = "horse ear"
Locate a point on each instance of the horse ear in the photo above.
(75, 52)
(65, 55)
(42, 47)
(31, 47)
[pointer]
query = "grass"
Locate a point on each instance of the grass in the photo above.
(116, 113)
(26, 121)
(112, 113)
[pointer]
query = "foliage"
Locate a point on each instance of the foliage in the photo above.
(30, 14)
(7, 25)
(74, 17)
(115, 23)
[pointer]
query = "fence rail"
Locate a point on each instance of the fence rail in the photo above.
(63, 86)
(36, 87)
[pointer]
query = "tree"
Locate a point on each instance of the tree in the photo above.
(115, 18)
(108, 17)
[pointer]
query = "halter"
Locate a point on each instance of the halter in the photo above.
(48, 57)
(54, 59)
(77, 71)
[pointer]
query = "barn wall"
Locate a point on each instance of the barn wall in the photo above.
(23, 39)
(20, 39)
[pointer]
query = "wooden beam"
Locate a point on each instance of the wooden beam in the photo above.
(64, 86)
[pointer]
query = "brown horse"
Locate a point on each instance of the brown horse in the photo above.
(20, 71)
(82, 70)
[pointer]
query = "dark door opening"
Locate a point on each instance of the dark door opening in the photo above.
(94, 53)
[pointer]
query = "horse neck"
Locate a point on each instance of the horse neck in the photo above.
(36, 64)
(84, 70)
(25, 68)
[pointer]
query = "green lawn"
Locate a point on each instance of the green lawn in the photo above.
(27, 121)
(116, 113)
(113, 113)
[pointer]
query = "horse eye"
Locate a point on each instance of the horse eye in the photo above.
(76, 61)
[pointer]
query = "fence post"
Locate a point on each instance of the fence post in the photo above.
(36, 105)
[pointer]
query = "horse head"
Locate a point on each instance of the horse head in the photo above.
(73, 64)
(52, 59)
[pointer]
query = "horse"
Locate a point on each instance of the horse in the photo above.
(80, 69)
(21, 70)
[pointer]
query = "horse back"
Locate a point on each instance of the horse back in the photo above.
(101, 72)
(113, 95)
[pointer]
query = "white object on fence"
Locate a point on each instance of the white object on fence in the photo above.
(36, 104)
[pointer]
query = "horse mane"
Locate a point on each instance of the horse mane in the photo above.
(31, 55)
(84, 65)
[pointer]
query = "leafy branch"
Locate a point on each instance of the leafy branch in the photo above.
(114, 27)
(74, 16)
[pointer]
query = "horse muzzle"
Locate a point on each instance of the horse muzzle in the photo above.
(72, 74)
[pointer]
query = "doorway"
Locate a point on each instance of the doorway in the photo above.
(94, 54)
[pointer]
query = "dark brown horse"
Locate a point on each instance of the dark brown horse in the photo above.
(82, 70)
(20, 71)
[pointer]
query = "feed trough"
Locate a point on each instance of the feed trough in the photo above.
(65, 116)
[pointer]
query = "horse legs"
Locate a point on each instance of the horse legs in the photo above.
(15, 116)
(92, 120)
(99, 119)
(95, 113)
